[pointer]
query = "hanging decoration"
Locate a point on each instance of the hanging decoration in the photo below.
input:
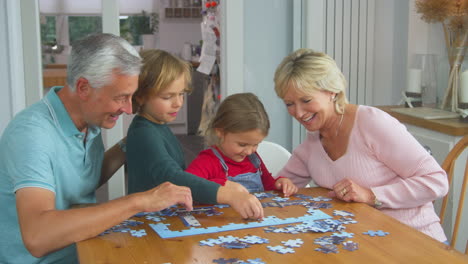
(209, 62)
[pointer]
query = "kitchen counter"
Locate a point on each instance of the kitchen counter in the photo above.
(450, 126)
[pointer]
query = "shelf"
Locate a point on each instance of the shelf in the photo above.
(182, 12)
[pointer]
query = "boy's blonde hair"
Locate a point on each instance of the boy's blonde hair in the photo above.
(238, 113)
(309, 71)
(159, 70)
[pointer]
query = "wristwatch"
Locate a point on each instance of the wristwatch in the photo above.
(377, 203)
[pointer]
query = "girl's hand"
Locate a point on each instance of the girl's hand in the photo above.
(286, 185)
(349, 191)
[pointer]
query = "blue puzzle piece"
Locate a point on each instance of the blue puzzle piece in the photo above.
(376, 233)
(163, 231)
(235, 245)
(343, 213)
(327, 249)
(350, 246)
(138, 233)
(281, 249)
(280, 199)
(254, 240)
(344, 234)
(225, 261)
(293, 242)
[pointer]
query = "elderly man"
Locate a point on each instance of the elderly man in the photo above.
(52, 156)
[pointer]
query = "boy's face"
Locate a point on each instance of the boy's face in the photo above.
(104, 105)
(237, 146)
(163, 107)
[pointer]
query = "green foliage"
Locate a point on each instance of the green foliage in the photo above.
(136, 25)
(48, 31)
(82, 26)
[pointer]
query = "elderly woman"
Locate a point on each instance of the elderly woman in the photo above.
(360, 153)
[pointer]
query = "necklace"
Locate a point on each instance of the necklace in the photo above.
(341, 122)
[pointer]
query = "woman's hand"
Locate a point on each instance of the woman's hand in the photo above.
(286, 185)
(349, 191)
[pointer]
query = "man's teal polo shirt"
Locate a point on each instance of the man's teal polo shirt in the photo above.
(41, 147)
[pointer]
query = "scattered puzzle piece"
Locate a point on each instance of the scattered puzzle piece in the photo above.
(235, 245)
(350, 245)
(138, 233)
(254, 240)
(343, 213)
(293, 242)
(280, 199)
(281, 249)
(344, 234)
(225, 261)
(328, 249)
(376, 233)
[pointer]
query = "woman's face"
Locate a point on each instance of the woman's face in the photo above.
(312, 110)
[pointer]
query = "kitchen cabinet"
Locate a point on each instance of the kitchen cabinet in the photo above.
(440, 135)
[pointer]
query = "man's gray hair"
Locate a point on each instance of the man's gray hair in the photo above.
(98, 56)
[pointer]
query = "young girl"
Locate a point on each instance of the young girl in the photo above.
(240, 124)
(153, 153)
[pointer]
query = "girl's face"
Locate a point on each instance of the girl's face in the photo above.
(311, 110)
(237, 146)
(163, 107)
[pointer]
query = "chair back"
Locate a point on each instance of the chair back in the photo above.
(449, 166)
(273, 155)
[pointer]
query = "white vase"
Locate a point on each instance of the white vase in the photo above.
(149, 41)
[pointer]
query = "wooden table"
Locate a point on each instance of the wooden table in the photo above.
(402, 245)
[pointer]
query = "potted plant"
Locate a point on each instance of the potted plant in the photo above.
(144, 27)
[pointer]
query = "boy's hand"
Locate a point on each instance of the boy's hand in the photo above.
(286, 185)
(244, 203)
(235, 186)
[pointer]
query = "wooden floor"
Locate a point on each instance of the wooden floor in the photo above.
(191, 144)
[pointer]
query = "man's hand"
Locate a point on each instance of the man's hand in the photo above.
(286, 185)
(165, 195)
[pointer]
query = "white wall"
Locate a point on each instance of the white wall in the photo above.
(5, 99)
(390, 47)
(174, 32)
(11, 65)
(268, 38)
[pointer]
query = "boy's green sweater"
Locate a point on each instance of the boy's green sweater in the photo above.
(154, 156)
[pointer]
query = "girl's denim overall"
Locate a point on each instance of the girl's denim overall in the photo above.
(252, 181)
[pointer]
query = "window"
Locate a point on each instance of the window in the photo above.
(82, 26)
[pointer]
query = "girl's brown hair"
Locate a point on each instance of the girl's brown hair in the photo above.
(238, 113)
(159, 70)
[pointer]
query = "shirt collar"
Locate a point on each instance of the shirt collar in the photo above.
(62, 118)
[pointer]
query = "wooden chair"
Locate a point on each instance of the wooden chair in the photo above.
(449, 166)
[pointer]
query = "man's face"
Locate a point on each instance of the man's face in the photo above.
(104, 105)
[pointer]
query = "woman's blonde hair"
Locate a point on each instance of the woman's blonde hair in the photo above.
(238, 113)
(159, 70)
(309, 71)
